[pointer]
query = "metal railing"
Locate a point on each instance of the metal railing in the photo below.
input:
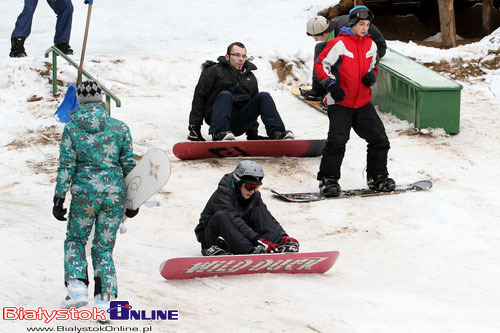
(55, 52)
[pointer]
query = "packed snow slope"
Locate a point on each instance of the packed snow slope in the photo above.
(418, 262)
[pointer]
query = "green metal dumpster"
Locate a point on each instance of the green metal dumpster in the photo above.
(415, 93)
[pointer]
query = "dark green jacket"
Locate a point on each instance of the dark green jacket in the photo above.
(95, 154)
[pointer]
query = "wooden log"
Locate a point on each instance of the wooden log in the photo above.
(447, 21)
(341, 8)
(486, 15)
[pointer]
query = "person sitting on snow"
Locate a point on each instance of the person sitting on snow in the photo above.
(228, 98)
(235, 220)
(347, 68)
(322, 31)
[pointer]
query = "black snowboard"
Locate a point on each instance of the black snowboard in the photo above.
(315, 196)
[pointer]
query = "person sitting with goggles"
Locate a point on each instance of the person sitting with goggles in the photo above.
(236, 220)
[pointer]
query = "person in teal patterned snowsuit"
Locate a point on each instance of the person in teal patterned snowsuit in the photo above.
(95, 157)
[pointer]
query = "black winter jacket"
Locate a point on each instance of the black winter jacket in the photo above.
(225, 198)
(376, 35)
(216, 77)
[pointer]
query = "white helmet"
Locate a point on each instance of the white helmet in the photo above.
(249, 171)
(317, 26)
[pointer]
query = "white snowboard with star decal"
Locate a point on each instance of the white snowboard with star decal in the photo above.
(147, 178)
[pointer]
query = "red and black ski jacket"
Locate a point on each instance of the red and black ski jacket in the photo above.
(345, 60)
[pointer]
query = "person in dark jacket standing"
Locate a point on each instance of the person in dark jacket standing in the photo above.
(347, 68)
(322, 31)
(95, 157)
(236, 220)
(22, 29)
(228, 98)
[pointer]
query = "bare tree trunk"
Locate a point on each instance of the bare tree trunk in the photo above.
(359, 3)
(447, 19)
(486, 27)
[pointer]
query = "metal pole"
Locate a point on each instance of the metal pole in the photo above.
(54, 73)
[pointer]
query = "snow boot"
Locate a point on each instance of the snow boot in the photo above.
(381, 183)
(259, 249)
(285, 135)
(77, 295)
(102, 302)
(220, 248)
(223, 136)
(65, 48)
(214, 250)
(329, 187)
(17, 47)
(195, 133)
(290, 247)
(310, 95)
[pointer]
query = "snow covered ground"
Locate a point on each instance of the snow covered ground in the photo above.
(423, 262)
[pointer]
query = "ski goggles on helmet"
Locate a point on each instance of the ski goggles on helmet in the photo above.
(361, 13)
(251, 187)
(365, 15)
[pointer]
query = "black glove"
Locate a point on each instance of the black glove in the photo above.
(58, 211)
(369, 79)
(86, 1)
(336, 92)
(195, 133)
(130, 213)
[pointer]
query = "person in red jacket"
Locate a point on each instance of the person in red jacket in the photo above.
(347, 68)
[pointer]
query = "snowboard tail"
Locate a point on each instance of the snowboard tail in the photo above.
(292, 263)
(316, 196)
(314, 104)
(192, 150)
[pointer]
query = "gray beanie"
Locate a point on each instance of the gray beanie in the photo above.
(89, 92)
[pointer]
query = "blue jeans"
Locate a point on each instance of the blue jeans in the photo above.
(238, 121)
(63, 10)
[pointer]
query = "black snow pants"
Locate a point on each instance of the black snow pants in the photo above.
(367, 124)
(259, 219)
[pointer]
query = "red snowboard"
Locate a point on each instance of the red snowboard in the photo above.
(274, 148)
(292, 263)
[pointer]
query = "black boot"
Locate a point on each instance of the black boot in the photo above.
(17, 48)
(311, 95)
(329, 187)
(253, 133)
(220, 248)
(285, 135)
(381, 183)
(65, 48)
